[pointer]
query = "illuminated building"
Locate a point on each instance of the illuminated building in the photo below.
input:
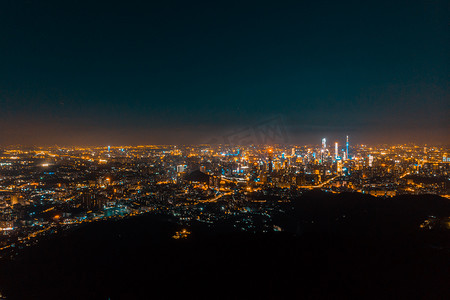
(14, 199)
(336, 154)
(277, 165)
(339, 166)
(346, 152)
(91, 201)
(181, 168)
(270, 160)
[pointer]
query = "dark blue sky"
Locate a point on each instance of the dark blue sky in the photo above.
(124, 72)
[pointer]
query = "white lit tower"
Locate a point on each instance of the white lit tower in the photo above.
(322, 151)
(336, 153)
(346, 151)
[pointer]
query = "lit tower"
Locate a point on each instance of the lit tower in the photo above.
(336, 154)
(270, 160)
(346, 152)
(322, 151)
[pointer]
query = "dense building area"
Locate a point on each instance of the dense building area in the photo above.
(46, 190)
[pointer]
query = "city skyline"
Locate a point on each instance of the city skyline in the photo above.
(224, 149)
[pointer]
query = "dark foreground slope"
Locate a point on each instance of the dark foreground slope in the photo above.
(375, 251)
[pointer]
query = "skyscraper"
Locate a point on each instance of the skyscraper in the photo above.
(346, 152)
(336, 154)
(339, 166)
(270, 160)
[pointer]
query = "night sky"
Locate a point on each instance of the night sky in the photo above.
(152, 72)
